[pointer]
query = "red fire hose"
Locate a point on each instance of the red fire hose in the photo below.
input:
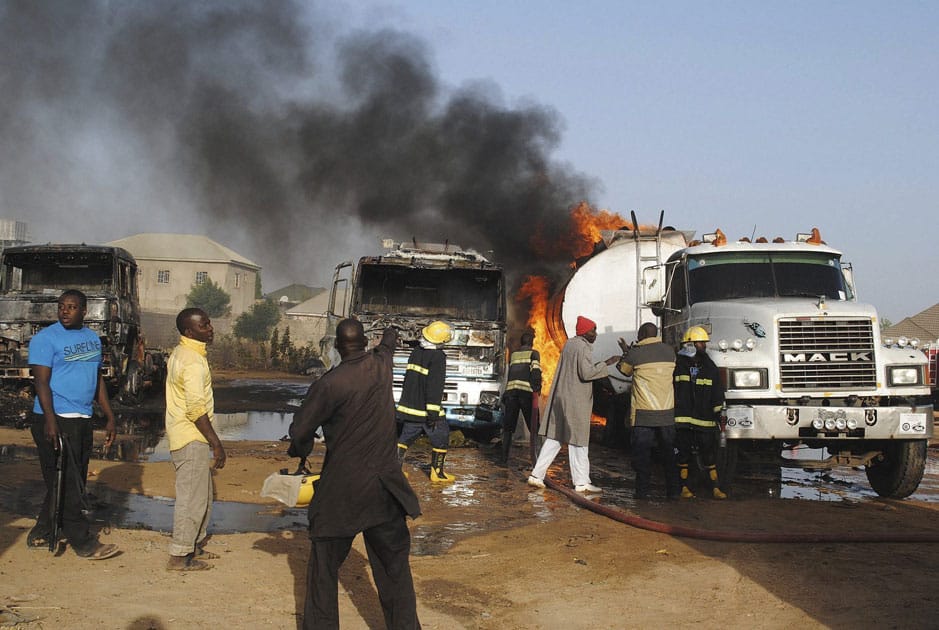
(735, 536)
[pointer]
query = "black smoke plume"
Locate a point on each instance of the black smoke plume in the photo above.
(274, 128)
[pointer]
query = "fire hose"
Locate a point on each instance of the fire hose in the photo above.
(737, 536)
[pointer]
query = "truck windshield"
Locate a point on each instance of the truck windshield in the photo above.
(730, 275)
(470, 294)
(57, 271)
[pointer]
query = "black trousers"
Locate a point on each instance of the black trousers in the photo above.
(438, 434)
(78, 437)
(388, 546)
(516, 401)
(643, 439)
(706, 440)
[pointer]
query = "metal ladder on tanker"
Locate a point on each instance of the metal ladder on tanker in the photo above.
(644, 313)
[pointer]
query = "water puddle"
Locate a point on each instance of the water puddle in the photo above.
(134, 511)
(142, 437)
(484, 498)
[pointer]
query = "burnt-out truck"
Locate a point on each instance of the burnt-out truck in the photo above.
(31, 279)
(409, 286)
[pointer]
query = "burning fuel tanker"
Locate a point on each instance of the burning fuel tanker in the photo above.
(607, 288)
(802, 361)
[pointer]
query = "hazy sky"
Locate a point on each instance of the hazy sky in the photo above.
(778, 116)
(766, 117)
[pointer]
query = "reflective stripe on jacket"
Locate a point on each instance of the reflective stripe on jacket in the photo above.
(524, 371)
(422, 391)
(699, 398)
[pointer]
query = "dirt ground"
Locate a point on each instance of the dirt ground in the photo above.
(500, 557)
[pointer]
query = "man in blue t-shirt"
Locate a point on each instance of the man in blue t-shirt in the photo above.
(65, 361)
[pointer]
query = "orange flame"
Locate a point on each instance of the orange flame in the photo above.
(535, 290)
(589, 223)
(586, 225)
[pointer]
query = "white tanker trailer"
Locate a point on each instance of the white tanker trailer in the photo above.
(802, 360)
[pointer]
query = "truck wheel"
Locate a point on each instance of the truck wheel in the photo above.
(897, 473)
(132, 389)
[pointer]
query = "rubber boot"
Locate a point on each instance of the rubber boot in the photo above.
(686, 492)
(436, 467)
(402, 451)
(506, 447)
(715, 488)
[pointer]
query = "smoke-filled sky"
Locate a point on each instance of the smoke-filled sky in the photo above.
(299, 134)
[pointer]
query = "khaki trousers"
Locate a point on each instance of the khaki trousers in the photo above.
(194, 492)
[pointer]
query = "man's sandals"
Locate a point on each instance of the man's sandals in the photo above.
(189, 562)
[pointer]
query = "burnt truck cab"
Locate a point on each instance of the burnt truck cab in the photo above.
(31, 279)
(802, 360)
(411, 286)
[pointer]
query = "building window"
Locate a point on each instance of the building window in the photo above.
(237, 280)
(201, 277)
(163, 276)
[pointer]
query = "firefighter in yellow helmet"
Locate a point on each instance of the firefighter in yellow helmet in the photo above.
(699, 399)
(419, 409)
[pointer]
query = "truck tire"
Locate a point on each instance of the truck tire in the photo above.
(897, 474)
(133, 386)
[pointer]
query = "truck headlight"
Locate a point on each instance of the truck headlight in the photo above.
(748, 378)
(905, 375)
(490, 399)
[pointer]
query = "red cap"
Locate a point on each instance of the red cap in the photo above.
(584, 325)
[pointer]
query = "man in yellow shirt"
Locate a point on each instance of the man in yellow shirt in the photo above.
(190, 408)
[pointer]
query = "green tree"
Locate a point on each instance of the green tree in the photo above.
(210, 297)
(275, 347)
(257, 323)
(885, 323)
(286, 345)
(257, 286)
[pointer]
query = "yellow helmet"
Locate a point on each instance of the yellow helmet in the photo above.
(695, 333)
(437, 332)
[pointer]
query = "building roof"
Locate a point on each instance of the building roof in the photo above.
(317, 305)
(924, 326)
(180, 247)
(293, 293)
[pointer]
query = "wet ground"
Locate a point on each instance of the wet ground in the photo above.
(485, 497)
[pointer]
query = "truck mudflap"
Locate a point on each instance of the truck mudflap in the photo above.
(791, 423)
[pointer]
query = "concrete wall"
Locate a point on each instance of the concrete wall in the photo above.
(170, 297)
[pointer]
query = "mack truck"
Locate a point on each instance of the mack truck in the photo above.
(411, 285)
(802, 360)
(31, 279)
(809, 381)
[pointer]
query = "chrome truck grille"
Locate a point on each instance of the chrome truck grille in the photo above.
(826, 354)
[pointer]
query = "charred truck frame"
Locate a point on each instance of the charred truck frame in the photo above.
(410, 286)
(33, 277)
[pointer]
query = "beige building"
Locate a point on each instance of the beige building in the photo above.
(171, 264)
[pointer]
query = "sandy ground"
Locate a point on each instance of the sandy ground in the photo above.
(493, 555)
(553, 564)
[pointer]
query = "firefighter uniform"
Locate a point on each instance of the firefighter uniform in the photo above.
(699, 399)
(523, 384)
(419, 408)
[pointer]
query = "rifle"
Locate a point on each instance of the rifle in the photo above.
(55, 508)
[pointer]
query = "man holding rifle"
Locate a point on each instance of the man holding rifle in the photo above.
(65, 361)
